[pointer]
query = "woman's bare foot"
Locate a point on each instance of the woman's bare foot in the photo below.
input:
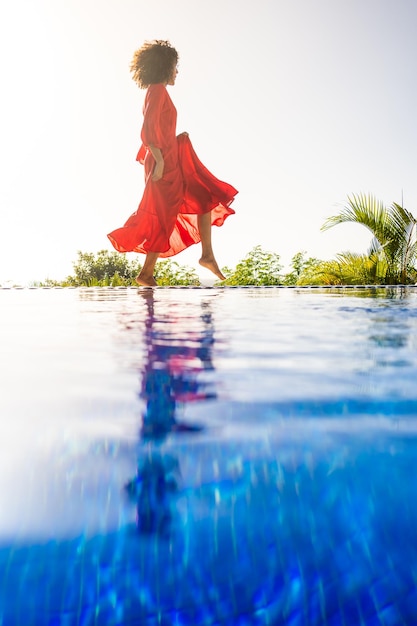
(210, 263)
(143, 280)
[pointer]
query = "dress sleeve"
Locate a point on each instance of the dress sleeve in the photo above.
(151, 134)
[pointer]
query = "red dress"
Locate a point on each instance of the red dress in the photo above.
(166, 219)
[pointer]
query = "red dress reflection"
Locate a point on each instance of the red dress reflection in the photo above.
(172, 368)
(173, 363)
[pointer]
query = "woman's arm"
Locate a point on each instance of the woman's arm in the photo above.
(158, 170)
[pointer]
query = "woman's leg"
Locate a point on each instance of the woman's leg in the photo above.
(207, 255)
(145, 278)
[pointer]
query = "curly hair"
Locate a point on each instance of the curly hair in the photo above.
(153, 63)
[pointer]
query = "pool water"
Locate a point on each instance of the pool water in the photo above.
(208, 457)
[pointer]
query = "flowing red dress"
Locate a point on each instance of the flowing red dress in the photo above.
(166, 219)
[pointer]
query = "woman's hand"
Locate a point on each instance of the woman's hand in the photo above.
(158, 171)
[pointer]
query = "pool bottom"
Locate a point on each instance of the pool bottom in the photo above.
(243, 532)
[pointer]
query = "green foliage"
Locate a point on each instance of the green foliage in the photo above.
(112, 269)
(393, 251)
(103, 269)
(303, 270)
(48, 282)
(169, 272)
(257, 268)
(347, 269)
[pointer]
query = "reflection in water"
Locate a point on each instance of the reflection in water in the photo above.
(151, 489)
(175, 357)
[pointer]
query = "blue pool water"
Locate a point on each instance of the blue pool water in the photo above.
(208, 456)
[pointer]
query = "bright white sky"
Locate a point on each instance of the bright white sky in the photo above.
(297, 103)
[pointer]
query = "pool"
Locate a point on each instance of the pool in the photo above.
(208, 457)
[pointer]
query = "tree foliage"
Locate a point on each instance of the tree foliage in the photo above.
(393, 251)
(259, 267)
(348, 268)
(170, 272)
(104, 269)
(303, 270)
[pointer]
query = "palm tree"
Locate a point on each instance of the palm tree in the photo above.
(393, 248)
(349, 268)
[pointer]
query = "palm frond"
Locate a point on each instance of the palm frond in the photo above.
(405, 224)
(360, 209)
(393, 247)
(348, 268)
(375, 248)
(360, 269)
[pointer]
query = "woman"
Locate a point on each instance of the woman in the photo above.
(182, 199)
